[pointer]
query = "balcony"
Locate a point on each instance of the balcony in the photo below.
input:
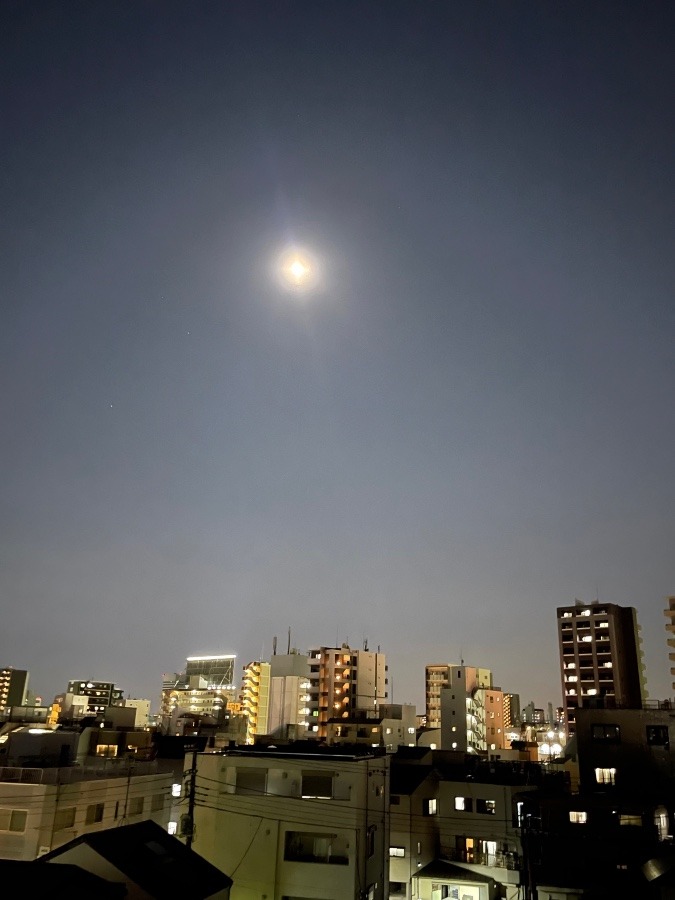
(500, 860)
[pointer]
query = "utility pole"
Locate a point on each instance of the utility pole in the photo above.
(187, 825)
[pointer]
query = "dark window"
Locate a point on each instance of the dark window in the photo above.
(610, 734)
(395, 800)
(371, 840)
(317, 785)
(312, 847)
(657, 736)
(251, 781)
(157, 802)
(136, 806)
(94, 813)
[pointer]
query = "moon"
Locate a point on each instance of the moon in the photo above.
(298, 270)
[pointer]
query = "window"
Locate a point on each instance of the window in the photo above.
(172, 827)
(370, 838)
(630, 820)
(657, 736)
(13, 820)
(397, 851)
(430, 807)
(317, 785)
(487, 807)
(157, 802)
(609, 734)
(578, 818)
(397, 888)
(136, 806)
(251, 781)
(312, 847)
(394, 800)
(605, 776)
(94, 813)
(107, 750)
(64, 818)
(176, 790)
(465, 804)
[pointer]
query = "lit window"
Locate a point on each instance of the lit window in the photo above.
(172, 827)
(430, 807)
(397, 851)
(464, 804)
(578, 818)
(587, 639)
(487, 807)
(605, 776)
(411, 731)
(585, 612)
(176, 790)
(630, 820)
(432, 746)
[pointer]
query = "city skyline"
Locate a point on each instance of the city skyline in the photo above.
(464, 419)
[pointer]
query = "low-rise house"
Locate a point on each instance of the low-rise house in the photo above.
(150, 864)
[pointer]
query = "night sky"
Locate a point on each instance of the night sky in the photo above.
(468, 421)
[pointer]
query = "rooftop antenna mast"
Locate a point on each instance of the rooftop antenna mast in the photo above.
(288, 651)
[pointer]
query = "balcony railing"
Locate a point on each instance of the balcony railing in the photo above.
(500, 860)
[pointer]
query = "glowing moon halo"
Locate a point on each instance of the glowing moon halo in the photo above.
(297, 271)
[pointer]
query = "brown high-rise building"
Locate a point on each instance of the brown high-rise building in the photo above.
(601, 662)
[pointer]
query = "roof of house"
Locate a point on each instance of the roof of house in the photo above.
(153, 859)
(441, 868)
(64, 882)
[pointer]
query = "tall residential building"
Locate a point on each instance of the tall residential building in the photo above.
(289, 696)
(670, 628)
(343, 680)
(472, 718)
(601, 660)
(436, 677)
(13, 686)
(255, 699)
(100, 694)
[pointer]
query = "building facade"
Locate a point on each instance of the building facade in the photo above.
(343, 680)
(100, 694)
(295, 823)
(255, 699)
(670, 630)
(13, 687)
(601, 660)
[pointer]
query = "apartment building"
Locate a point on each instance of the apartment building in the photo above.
(13, 687)
(669, 612)
(43, 808)
(472, 711)
(295, 821)
(601, 659)
(255, 699)
(390, 726)
(341, 681)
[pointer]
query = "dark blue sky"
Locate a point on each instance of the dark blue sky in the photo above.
(469, 423)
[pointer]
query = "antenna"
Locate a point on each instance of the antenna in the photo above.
(288, 651)
(365, 643)
(274, 645)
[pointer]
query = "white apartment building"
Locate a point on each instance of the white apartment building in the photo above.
(472, 711)
(290, 824)
(41, 809)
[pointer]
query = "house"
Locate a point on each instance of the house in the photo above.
(151, 864)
